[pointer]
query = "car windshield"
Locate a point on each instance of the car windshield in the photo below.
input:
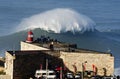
(38, 73)
(51, 73)
(69, 73)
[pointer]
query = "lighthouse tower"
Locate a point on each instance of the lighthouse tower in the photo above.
(29, 37)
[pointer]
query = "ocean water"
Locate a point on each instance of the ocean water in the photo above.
(100, 17)
(105, 13)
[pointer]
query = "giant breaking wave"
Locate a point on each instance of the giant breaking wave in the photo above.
(58, 20)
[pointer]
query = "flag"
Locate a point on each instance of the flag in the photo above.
(84, 67)
(40, 66)
(75, 68)
(94, 69)
(58, 68)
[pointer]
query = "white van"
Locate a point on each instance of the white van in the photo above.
(109, 78)
(49, 74)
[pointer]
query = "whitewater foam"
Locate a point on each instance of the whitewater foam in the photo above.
(58, 20)
(117, 71)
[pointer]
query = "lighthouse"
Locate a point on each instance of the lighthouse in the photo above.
(29, 37)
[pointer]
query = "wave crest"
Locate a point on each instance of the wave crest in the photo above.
(58, 20)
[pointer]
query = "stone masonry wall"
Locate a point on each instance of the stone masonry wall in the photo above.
(103, 62)
(25, 65)
(9, 65)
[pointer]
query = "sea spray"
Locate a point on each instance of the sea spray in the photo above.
(117, 71)
(58, 20)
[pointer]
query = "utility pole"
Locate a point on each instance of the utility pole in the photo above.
(82, 71)
(61, 73)
(46, 68)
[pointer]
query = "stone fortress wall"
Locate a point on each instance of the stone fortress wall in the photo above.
(104, 62)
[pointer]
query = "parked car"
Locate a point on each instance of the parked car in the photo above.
(69, 75)
(78, 76)
(96, 77)
(43, 74)
(109, 78)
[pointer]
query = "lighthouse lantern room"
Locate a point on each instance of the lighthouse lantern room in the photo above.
(29, 37)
